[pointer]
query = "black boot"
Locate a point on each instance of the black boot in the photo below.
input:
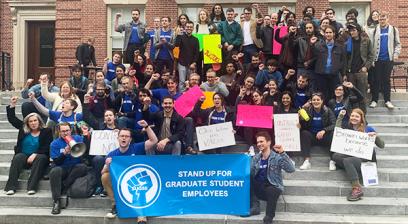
(56, 209)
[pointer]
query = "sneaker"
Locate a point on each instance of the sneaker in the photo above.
(98, 191)
(191, 151)
(112, 213)
(373, 104)
(389, 105)
(356, 194)
(31, 192)
(10, 192)
(332, 165)
(103, 194)
(306, 165)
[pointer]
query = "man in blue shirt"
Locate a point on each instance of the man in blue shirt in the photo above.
(65, 168)
(151, 33)
(164, 42)
(126, 149)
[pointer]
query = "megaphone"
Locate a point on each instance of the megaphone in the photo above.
(77, 148)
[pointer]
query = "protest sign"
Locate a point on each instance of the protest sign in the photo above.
(215, 136)
(254, 116)
(208, 102)
(369, 173)
(103, 141)
(199, 36)
(353, 143)
(287, 132)
(175, 185)
(186, 102)
(276, 45)
(212, 52)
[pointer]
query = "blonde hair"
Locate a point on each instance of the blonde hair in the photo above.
(71, 90)
(362, 126)
(208, 16)
(27, 128)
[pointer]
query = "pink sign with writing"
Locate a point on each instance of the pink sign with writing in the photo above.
(186, 102)
(254, 116)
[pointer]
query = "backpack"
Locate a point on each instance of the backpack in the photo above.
(83, 187)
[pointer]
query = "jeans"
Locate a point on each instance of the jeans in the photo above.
(98, 162)
(160, 63)
(308, 139)
(381, 80)
(183, 73)
(326, 84)
(268, 193)
(170, 148)
(351, 164)
(189, 136)
(360, 81)
(248, 51)
(62, 178)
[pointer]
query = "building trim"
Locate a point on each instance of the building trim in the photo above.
(183, 2)
(124, 2)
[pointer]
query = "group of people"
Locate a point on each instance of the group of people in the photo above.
(323, 72)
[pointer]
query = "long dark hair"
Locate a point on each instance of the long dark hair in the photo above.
(212, 15)
(178, 19)
(370, 20)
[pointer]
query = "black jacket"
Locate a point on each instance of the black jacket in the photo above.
(86, 54)
(177, 126)
(320, 54)
(328, 118)
(350, 101)
(45, 137)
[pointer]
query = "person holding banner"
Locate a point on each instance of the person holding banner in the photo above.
(351, 164)
(266, 175)
(127, 149)
(318, 130)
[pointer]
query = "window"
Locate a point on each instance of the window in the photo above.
(341, 9)
(275, 7)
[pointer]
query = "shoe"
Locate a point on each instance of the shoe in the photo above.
(112, 213)
(332, 165)
(191, 151)
(267, 220)
(141, 220)
(31, 192)
(306, 165)
(10, 192)
(255, 210)
(103, 194)
(98, 191)
(389, 105)
(56, 208)
(373, 104)
(356, 194)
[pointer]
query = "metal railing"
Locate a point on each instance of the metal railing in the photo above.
(6, 82)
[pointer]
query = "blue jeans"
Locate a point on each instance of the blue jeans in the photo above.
(248, 51)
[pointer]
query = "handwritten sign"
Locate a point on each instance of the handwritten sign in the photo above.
(185, 103)
(287, 133)
(254, 116)
(215, 136)
(103, 142)
(369, 173)
(208, 102)
(199, 36)
(211, 50)
(353, 143)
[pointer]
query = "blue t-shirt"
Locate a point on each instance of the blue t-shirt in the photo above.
(152, 48)
(328, 66)
(164, 53)
(161, 93)
(30, 144)
(317, 123)
(139, 114)
(369, 129)
(339, 106)
(57, 148)
(300, 98)
(217, 117)
(261, 176)
(127, 104)
(58, 117)
(383, 55)
(134, 36)
(134, 149)
(111, 73)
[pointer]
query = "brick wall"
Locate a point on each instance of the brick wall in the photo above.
(6, 28)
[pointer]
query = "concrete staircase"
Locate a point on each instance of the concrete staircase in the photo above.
(315, 196)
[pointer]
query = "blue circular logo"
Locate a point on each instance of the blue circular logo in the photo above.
(139, 186)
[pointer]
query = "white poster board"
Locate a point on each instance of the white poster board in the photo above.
(353, 143)
(103, 141)
(215, 136)
(287, 132)
(369, 173)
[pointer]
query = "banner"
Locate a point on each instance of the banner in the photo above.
(212, 52)
(215, 136)
(353, 143)
(287, 132)
(276, 45)
(175, 185)
(186, 102)
(208, 102)
(254, 116)
(103, 141)
(199, 36)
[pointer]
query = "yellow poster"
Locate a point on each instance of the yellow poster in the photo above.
(211, 50)
(208, 102)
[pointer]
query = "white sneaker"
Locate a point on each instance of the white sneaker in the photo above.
(10, 192)
(31, 192)
(373, 104)
(389, 105)
(306, 165)
(332, 165)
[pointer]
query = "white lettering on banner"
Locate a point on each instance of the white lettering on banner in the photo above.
(205, 193)
(353, 143)
(287, 133)
(215, 136)
(103, 142)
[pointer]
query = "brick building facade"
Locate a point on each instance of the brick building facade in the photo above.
(78, 19)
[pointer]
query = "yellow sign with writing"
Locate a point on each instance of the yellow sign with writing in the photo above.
(211, 50)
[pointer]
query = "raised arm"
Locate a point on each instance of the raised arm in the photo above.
(43, 110)
(150, 134)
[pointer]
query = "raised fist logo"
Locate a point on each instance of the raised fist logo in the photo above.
(138, 186)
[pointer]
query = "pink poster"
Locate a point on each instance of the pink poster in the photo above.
(185, 103)
(276, 45)
(254, 116)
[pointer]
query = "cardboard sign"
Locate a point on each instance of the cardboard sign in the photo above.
(369, 173)
(199, 36)
(276, 45)
(353, 143)
(103, 142)
(254, 116)
(215, 136)
(212, 52)
(208, 102)
(287, 132)
(186, 102)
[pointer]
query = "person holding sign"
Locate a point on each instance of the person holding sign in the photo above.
(266, 175)
(351, 164)
(318, 130)
(126, 149)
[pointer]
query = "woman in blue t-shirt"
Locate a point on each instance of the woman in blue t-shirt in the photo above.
(318, 130)
(351, 164)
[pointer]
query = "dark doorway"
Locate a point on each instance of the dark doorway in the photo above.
(41, 49)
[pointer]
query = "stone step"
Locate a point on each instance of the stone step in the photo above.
(384, 110)
(3, 108)
(381, 118)
(3, 116)
(9, 133)
(10, 215)
(7, 144)
(394, 149)
(6, 155)
(390, 128)
(5, 125)
(5, 100)
(401, 102)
